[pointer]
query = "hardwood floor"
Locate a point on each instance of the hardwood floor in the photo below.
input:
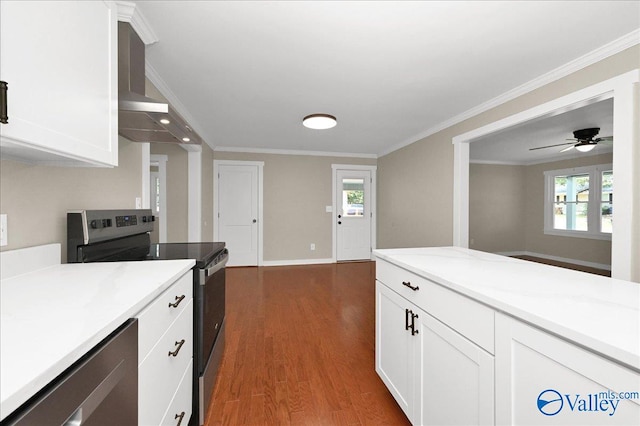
(300, 349)
(573, 266)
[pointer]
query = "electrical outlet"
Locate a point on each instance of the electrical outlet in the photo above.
(3, 230)
(312, 247)
(138, 203)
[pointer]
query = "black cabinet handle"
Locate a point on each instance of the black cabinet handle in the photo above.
(179, 416)
(413, 324)
(4, 118)
(179, 344)
(408, 284)
(177, 302)
(406, 319)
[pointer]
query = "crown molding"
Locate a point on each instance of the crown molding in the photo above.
(128, 12)
(603, 52)
(292, 152)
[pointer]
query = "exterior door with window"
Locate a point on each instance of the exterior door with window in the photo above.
(353, 214)
(237, 212)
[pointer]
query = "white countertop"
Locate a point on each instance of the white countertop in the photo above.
(600, 313)
(49, 318)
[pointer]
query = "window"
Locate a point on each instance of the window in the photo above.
(353, 197)
(579, 202)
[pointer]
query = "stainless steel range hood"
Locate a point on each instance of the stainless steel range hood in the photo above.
(140, 118)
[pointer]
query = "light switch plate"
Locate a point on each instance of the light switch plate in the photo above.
(138, 203)
(328, 209)
(3, 230)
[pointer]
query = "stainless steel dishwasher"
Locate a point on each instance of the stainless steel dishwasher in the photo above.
(99, 389)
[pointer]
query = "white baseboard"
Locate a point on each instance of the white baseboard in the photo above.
(296, 262)
(558, 259)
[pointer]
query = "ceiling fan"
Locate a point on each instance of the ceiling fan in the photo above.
(584, 138)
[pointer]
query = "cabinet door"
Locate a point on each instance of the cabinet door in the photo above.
(545, 380)
(455, 385)
(394, 346)
(60, 62)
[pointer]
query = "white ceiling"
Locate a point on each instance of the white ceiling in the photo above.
(512, 145)
(248, 72)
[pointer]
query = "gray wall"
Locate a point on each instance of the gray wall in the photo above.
(37, 198)
(287, 234)
(422, 173)
(497, 207)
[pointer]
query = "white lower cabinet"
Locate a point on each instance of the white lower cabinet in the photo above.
(178, 412)
(395, 347)
(542, 379)
(456, 377)
(436, 375)
(166, 357)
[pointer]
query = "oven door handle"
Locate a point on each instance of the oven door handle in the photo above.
(215, 268)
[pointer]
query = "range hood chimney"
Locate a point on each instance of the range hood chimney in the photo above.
(140, 118)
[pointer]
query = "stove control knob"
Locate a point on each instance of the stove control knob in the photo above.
(97, 224)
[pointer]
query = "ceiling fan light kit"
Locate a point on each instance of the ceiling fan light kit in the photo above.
(319, 121)
(585, 146)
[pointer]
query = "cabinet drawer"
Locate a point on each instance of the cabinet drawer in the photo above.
(156, 318)
(160, 373)
(469, 318)
(179, 409)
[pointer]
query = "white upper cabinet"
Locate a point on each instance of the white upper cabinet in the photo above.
(59, 60)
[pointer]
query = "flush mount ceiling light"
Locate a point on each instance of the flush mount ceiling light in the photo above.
(319, 121)
(164, 121)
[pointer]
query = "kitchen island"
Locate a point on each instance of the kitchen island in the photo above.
(51, 316)
(484, 336)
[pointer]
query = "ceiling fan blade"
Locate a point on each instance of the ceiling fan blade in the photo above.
(551, 146)
(567, 148)
(572, 139)
(604, 138)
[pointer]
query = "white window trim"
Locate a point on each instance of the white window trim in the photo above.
(593, 212)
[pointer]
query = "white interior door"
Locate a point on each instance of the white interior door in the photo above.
(353, 214)
(238, 202)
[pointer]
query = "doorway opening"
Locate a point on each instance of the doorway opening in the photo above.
(158, 195)
(623, 90)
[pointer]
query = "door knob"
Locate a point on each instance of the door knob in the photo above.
(339, 223)
(254, 221)
(339, 216)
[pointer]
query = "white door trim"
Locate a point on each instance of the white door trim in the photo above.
(194, 190)
(260, 165)
(334, 208)
(623, 90)
(161, 162)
